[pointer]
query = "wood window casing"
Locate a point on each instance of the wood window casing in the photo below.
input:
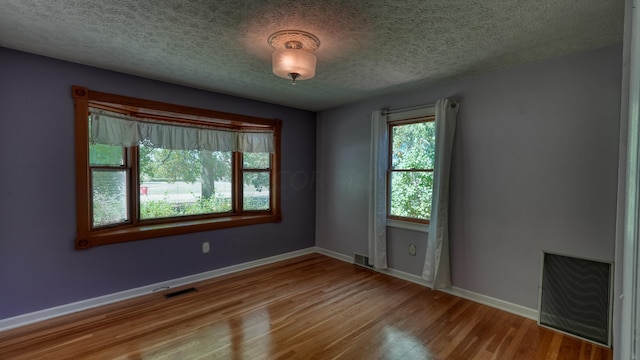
(88, 236)
(391, 169)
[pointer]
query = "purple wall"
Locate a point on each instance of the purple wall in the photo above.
(39, 267)
(534, 168)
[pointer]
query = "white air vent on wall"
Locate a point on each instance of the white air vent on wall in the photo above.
(575, 297)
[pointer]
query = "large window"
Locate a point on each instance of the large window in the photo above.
(410, 168)
(147, 169)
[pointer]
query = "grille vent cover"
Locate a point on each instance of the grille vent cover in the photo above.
(361, 260)
(575, 297)
(179, 292)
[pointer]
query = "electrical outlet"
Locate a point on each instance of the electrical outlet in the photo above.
(412, 250)
(205, 247)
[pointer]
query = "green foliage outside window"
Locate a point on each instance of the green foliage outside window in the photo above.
(412, 161)
(154, 209)
(167, 166)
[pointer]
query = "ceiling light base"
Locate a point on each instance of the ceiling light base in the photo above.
(306, 41)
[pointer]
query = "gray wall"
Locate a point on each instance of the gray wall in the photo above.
(39, 267)
(534, 168)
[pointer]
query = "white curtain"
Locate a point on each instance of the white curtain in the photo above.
(123, 130)
(377, 195)
(436, 266)
(255, 142)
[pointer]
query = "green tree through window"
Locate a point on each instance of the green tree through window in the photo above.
(410, 175)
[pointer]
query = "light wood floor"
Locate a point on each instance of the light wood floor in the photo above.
(311, 307)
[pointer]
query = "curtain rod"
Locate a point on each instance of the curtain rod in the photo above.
(387, 112)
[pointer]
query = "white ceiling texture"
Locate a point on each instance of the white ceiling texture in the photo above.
(368, 47)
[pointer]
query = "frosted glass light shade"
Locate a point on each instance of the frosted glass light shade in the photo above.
(298, 61)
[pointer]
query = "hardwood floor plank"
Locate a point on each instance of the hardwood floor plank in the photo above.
(310, 307)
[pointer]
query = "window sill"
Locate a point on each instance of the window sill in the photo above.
(408, 225)
(111, 236)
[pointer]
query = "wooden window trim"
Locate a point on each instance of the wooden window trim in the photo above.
(88, 237)
(391, 170)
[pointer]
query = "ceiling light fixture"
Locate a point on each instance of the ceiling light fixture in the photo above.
(293, 57)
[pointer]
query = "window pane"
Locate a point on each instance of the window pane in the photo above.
(413, 146)
(183, 182)
(256, 191)
(255, 160)
(411, 194)
(110, 155)
(109, 189)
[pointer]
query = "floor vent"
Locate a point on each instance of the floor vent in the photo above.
(361, 260)
(575, 297)
(180, 292)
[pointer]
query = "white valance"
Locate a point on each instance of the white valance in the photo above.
(119, 129)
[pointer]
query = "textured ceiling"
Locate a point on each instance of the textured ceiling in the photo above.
(368, 48)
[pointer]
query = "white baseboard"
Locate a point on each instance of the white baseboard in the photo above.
(25, 319)
(493, 302)
(41, 315)
(406, 276)
(335, 255)
(465, 294)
